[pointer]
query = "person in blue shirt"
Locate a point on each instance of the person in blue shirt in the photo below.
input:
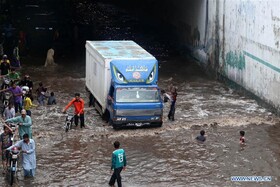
(118, 164)
(27, 146)
(201, 138)
(51, 99)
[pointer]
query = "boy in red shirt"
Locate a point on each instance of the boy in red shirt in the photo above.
(79, 104)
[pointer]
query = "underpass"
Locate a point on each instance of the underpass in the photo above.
(166, 156)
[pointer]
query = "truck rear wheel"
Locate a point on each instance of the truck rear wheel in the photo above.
(91, 100)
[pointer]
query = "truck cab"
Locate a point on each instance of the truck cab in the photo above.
(134, 97)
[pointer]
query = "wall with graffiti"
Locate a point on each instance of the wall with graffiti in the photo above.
(237, 39)
(249, 53)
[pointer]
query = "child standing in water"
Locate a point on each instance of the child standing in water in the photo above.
(51, 99)
(242, 138)
(28, 104)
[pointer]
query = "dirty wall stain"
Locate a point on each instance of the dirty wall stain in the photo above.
(235, 60)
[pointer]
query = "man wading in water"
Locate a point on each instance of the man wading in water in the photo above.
(118, 164)
(79, 105)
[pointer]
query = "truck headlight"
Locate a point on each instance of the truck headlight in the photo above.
(155, 118)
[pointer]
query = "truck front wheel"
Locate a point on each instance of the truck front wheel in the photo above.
(158, 124)
(115, 126)
(106, 116)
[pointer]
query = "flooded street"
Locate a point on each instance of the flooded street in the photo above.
(167, 156)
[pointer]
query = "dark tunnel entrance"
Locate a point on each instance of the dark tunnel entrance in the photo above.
(161, 27)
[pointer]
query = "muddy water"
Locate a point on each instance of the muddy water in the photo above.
(157, 157)
(166, 156)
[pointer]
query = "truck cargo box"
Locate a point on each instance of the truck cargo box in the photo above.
(99, 55)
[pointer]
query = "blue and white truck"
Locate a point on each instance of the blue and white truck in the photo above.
(122, 77)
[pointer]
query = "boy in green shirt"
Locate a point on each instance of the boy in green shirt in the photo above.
(13, 75)
(118, 164)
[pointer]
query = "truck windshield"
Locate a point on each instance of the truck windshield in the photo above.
(137, 95)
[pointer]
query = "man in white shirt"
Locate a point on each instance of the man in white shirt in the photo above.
(27, 146)
(9, 112)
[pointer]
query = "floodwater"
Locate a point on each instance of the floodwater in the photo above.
(166, 156)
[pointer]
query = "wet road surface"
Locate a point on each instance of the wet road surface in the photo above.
(157, 157)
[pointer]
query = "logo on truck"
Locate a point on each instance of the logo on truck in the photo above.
(136, 75)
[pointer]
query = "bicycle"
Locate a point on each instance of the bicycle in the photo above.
(69, 122)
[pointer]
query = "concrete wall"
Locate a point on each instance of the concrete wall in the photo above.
(242, 43)
(249, 53)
